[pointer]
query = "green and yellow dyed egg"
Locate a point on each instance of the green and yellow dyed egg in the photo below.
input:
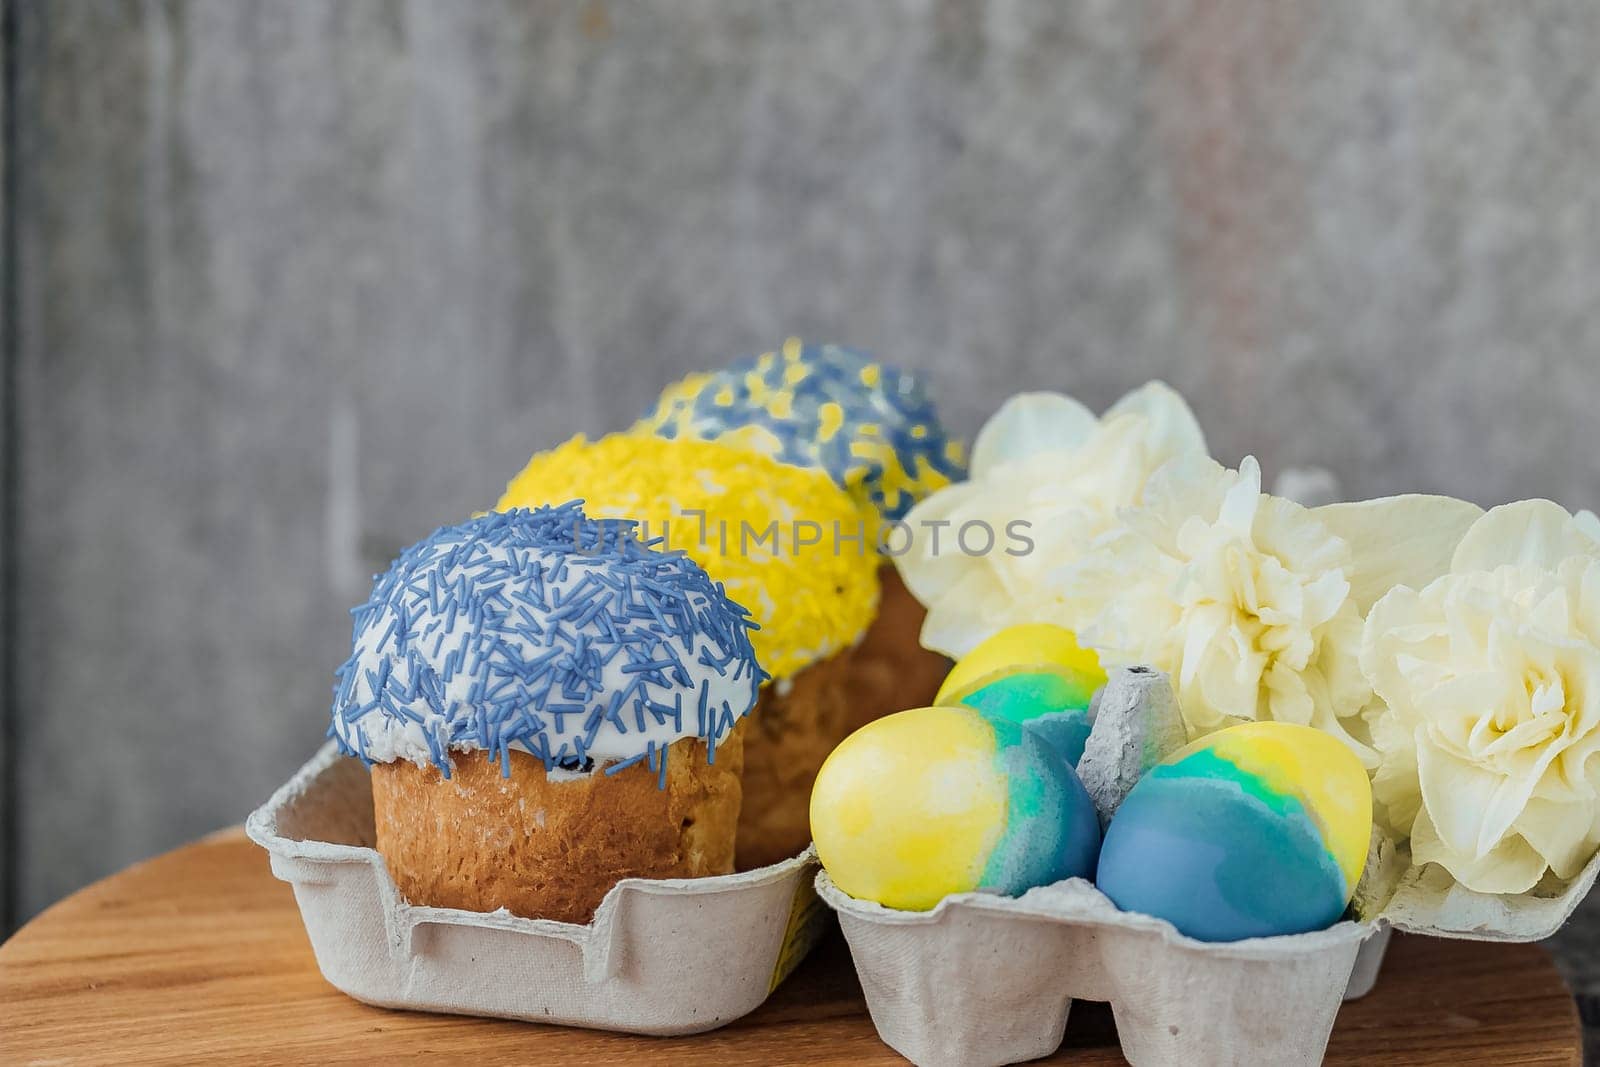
(1034, 673)
(933, 801)
(1253, 831)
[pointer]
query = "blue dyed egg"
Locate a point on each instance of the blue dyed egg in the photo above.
(1254, 831)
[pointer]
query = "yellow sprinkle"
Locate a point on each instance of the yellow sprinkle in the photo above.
(792, 348)
(896, 480)
(811, 601)
(919, 431)
(830, 416)
(757, 386)
(781, 405)
(723, 397)
(795, 373)
(677, 402)
(871, 375)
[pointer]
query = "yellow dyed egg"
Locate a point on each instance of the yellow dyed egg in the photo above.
(933, 801)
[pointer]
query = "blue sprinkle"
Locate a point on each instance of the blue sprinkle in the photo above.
(623, 764)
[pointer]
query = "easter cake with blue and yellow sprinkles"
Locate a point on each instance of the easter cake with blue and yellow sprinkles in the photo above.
(872, 428)
(549, 704)
(744, 517)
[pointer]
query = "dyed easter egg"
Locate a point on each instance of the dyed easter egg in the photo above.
(933, 801)
(1033, 673)
(1253, 831)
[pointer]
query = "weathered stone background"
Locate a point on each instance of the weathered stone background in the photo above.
(296, 282)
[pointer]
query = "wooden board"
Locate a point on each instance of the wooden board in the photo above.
(199, 956)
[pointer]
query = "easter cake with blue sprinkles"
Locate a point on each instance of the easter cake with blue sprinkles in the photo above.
(548, 704)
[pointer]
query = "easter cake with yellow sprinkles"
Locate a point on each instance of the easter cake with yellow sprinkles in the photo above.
(871, 427)
(785, 543)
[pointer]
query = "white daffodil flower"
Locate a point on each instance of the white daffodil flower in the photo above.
(1489, 678)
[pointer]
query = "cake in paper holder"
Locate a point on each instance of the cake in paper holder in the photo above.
(663, 957)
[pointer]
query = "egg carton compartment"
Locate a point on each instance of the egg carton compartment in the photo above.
(1137, 723)
(984, 979)
(667, 956)
(1426, 900)
(989, 979)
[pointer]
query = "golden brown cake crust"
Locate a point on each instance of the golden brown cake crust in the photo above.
(796, 725)
(553, 849)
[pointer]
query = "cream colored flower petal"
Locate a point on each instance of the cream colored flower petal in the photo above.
(1582, 580)
(1394, 783)
(1029, 424)
(1328, 723)
(1188, 486)
(1529, 533)
(1513, 867)
(1398, 620)
(941, 505)
(1298, 536)
(1243, 499)
(1397, 540)
(1110, 470)
(1325, 598)
(1505, 804)
(1289, 697)
(1454, 792)
(929, 574)
(1588, 524)
(1173, 429)
(1565, 835)
(1341, 667)
(1549, 609)
(972, 609)
(1223, 676)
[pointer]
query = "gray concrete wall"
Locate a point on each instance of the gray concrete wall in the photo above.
(299, 281)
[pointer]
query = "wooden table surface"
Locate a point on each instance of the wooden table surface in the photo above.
(199, 956)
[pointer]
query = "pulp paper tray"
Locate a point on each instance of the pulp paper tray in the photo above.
(986, 979)
(662, 956)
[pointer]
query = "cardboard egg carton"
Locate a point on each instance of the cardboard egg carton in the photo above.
(667, 956)
(987, 979)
